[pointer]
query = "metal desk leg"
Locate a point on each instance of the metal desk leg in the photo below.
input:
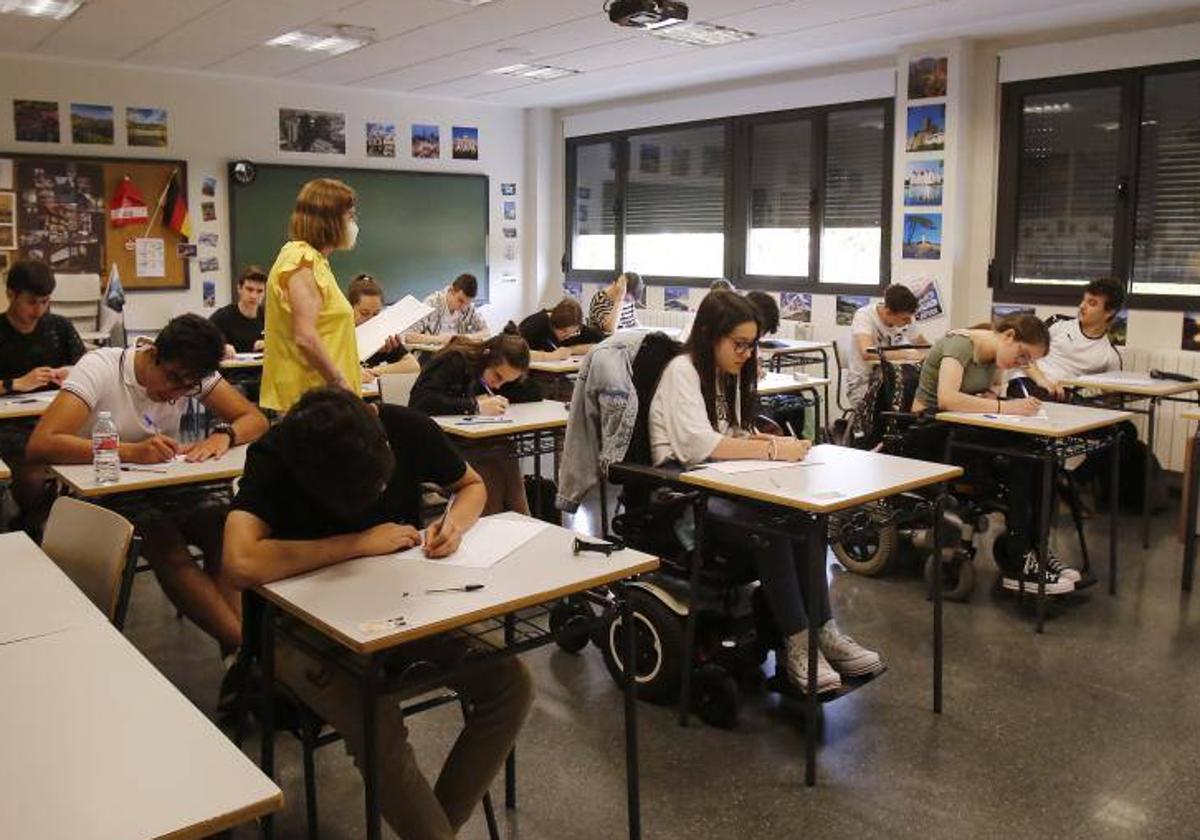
(537, 475)
(1049, 462)
(370, 765)
(510, 763)
(1189, 534)
(689, 627)
(938, 507)
(816, 540)
(266, 660)
(632, 788)
(1114, 509)
(1151, 420)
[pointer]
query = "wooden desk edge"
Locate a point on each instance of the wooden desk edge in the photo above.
(401, 638)
(215, 825)
(472, 431)
(833, 506)
(984, 423)
(150, 484)
(1172, 387)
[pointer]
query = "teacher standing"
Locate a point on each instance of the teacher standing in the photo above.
(309, 322)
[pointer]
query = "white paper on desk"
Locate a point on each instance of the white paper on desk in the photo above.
(1120, 378)
(394, 320)
(248, 357)
(738, 467)
(485, 545)
(25, 399)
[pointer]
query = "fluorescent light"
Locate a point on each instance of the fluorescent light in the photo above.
(472, 2)
(57, 9)
(335, 41)
(540, 72)
(701, 34)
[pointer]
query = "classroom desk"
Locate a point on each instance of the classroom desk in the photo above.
(669, 332)
(780, 353)
(243, 361)
(334, 601)
(5, 472)
(36, 597)
(556, 377)
(829, 480)
(80, 479)
(18, 406)
(1191, 488)
(1064, 434)
(1131, 386)
(369, 390)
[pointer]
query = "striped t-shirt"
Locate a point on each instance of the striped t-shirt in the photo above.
(602, 305)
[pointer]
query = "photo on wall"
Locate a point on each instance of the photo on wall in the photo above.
(677, 298)
(926, 128)
(847, 305)
(929, 298)
(1191, 331)
(1003, 310)
(795, 306)
(381, 140)
(92, 124)
(464, 141)
(312, 132)
(8, 220)
(35, 121)
(573, 289)
(923, 182)
(426, 141)
(146, 127)
(927, 76)
(922, 236)
(1118, 330)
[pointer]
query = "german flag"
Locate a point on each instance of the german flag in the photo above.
(175, 211)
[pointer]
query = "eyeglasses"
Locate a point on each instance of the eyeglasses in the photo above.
(188, 387)
(743, 347)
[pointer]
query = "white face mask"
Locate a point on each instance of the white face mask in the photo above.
(351, 233)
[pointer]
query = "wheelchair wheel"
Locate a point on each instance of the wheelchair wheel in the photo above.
(958, 577)
(715, 696)
(659, 666)
(572, 611)
(862, 545)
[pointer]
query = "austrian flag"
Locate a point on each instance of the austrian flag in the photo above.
(127, 206)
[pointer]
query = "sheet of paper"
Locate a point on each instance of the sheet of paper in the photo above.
(150, 257)
(27, 399)
(248, 357)
(1122, 378)
(738, 467)
(485, 545)
(394, 320)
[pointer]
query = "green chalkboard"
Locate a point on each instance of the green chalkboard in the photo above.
(417, 230)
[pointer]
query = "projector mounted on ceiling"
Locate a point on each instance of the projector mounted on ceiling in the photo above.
(647, 14)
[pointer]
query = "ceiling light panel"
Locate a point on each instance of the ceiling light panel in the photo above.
(57, 9)
(334, 41)
(701, 34)
(539, 72)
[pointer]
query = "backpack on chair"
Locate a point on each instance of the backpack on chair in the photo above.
(890, 388)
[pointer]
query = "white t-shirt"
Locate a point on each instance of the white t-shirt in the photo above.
(1073, 354)
(868, 322)
(106, 381)
(679, 425)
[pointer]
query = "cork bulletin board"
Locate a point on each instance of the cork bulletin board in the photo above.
(62, 216)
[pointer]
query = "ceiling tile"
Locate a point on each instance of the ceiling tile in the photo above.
(106, 30)
(21, 34)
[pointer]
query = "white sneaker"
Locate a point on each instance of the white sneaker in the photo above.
(796, 665)
(847, 656)
(1028, 581)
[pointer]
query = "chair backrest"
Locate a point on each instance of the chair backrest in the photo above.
(77, 298)
(652, 357)
(91, 545)
(396, 388)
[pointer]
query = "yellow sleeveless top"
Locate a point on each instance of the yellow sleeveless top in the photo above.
(286, 373)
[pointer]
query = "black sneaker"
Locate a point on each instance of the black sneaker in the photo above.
(1064, 572)
(1055, 583)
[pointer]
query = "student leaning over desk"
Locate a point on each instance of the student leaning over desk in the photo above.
(147, 390)
(335, 481)
(559, 333)
(309, 323)
(703, 410)
(962, 372)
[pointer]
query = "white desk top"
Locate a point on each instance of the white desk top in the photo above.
(81, 478)
(369, 390)
(5, 472)
(1063, 420)
(36, 598)
(792, 345)
(785, 383)
(100, 745)
(571, 365)
(526, 417)
(337, 599)
(1132, 382)
(830, 479)
(25, 405)
(670, 332)
(242, 363)
(1191, 414)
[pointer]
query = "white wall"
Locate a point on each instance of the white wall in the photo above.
(216, 119)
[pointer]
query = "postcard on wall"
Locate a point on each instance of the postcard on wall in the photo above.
(1003, 310)
(208, 211)
(426, 141)
(929, 298)
(677, 298)
(312, 132)
(6, 174)
(209, 186)
(146, 127)
(381, 140)
(465, 142)
(847, 305)
(187, 250)
(926, 128)
(1191, 331)
(927, 76)
(35, 121)
(8, 220)
(510, 251)
(209, 240)
(150, 257)
(510, 233)
(922, 236)
(573, 289)
(510, 189)
(1118, 330)
(923, 182)
(796, 306)
(510, 211)
(210, 264)
(210, 294)
(92, 124)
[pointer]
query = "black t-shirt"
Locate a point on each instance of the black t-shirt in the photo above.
(539, 335)
(383, 357)
(53, 343)
(238, 330)
(423, 454)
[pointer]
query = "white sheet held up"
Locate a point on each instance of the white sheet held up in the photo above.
(394, 320)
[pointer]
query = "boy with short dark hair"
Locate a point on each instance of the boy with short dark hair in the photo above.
(1080, 346)
(454, 314)
(241, 322)
(883, 324)
(558, 333)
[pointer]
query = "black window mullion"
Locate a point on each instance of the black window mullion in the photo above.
(817, 199)
(734, 234)
(889, 153)
(621, 150)
(1126, 186)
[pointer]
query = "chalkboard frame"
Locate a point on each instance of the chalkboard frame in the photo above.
(333, 172)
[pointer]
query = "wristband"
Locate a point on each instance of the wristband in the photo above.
(771, 449)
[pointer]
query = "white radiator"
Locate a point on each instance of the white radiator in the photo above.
(1170, 442)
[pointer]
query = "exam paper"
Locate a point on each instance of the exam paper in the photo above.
(485, 545)
(737, 467)
(394, 320)
(1120, 377)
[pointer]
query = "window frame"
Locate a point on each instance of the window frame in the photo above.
(1131, 82)
(737, 200)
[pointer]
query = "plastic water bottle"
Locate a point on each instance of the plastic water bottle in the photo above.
(106, 461)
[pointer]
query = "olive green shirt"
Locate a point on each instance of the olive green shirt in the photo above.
(977, 377)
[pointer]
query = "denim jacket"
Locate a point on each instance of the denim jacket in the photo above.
(604, 408)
